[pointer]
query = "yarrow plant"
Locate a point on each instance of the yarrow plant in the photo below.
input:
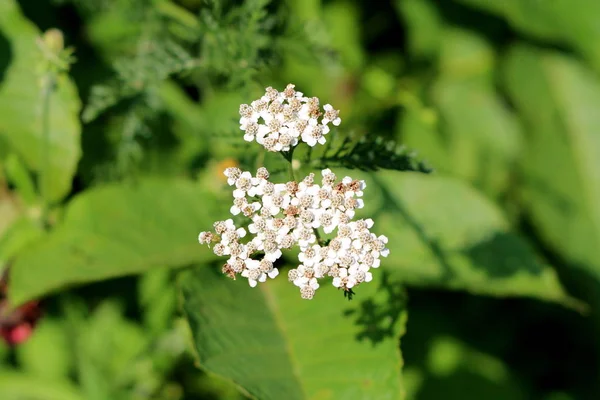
(281, 216)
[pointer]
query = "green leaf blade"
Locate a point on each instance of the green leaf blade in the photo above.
(558, 98)
(21, 108)
(117, 230)
(443, 233)
(275, 345)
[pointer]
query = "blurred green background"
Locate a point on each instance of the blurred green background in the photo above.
(118, 116)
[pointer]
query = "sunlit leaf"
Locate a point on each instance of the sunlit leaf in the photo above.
(22, 103)
(118, 230)
(275, 345)
(442, 233)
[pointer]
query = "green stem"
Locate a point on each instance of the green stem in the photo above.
(260, 160)
(291, 171)
(289, 156)
(318, 235)
(45, 153)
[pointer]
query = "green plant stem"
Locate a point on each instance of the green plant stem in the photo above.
(43, 173)
(291, 171)
(289, 156)
(260, 160)
(318, 235)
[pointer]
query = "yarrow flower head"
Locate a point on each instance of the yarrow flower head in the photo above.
(280, 120)
(280, 216)
(315, 215)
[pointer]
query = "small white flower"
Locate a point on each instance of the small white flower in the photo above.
(243, 184)
(232, 174)
(310, 256)
(331, 115)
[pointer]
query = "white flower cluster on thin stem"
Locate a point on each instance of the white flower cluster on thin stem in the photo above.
(279, 120)
(283, 215)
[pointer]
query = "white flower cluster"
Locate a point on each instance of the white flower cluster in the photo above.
(279, 120)
(284, 215)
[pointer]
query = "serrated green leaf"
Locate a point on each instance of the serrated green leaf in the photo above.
(118, 230)
(442, 233)
(22, 101)
(275, 345)
(574, 22)
(559, 99)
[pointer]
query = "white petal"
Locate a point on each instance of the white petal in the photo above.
(239, 193)
(301, 281)
(241, 232)
(273, 256)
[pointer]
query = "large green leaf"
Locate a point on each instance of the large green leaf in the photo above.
(275, 345)
(442, 233)
(118, 230)
(574, 22)
(22, 102)
(559, 99)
